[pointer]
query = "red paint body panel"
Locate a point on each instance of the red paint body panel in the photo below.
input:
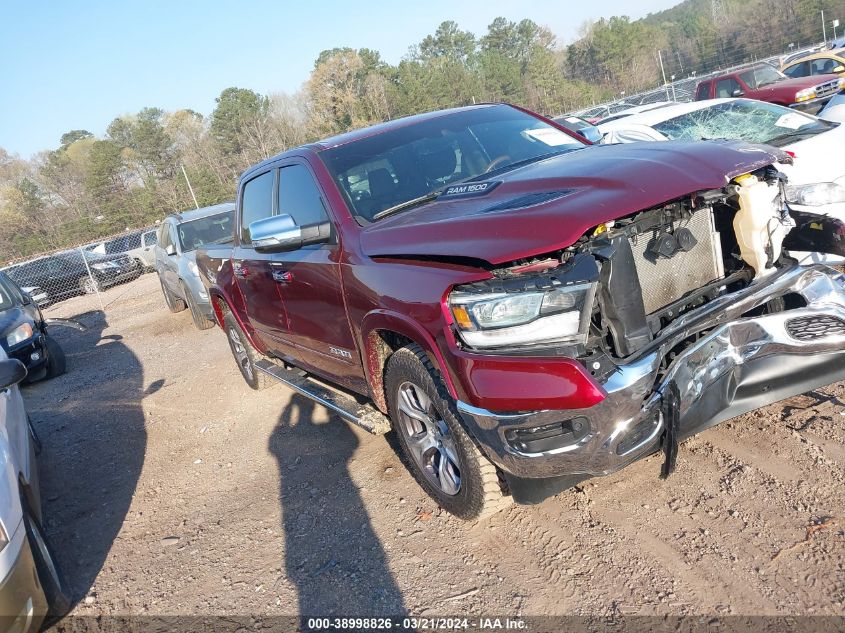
(504, 383)
(372, 279)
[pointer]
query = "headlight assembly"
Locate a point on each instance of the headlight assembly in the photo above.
(816, 194)
(509, 319)
(19, 335)
(805, 95)
(103, 265)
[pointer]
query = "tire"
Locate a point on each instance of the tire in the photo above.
(440, 454)
(174, 304)
(56, 363)
(88, 285)
(49, 575)
(245, 355)
(200, 321)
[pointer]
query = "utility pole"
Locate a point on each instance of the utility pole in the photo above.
(190, 188)
(663, 72)
(824, 28)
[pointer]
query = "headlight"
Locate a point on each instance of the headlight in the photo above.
(103, 265)
(559, 315)
(19, 334)
(816, 194)
(805, 95)
(192, 266)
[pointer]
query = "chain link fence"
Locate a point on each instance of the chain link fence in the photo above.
(681, 90)
(94, 272)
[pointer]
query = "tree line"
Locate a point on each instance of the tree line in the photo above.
(130, 177)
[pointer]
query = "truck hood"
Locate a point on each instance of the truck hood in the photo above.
(549, 205)
(791, 86)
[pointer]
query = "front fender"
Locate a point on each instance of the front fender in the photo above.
(386, 320)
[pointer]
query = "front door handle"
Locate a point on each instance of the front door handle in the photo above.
(282, 276)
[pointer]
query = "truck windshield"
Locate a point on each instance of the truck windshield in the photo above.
(746, 120)
(208, 230)
(411, 164)
(760, 76)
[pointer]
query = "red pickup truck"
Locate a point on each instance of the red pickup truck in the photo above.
(525, 310)
(765, 83)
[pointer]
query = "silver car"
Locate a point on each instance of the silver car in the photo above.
(31, 587)
(179, 235)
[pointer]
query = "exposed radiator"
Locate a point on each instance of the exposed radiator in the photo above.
(664, 280)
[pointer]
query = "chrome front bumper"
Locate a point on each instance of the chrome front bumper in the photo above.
(737, 364)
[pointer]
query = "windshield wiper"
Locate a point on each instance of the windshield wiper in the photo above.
(408, 204)
(520, 163)
(432, 195)
(789, 136)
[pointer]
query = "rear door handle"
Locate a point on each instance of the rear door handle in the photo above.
(240, 270)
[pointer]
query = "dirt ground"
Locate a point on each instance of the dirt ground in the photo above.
(172, 488)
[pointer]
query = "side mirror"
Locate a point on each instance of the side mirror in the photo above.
(170, 250)
(12, 371)
(738, 92)
(591, 133)
(280, 233)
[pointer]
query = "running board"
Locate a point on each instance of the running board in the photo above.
(364, 415)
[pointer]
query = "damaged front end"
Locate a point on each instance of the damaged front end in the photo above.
(685, 315)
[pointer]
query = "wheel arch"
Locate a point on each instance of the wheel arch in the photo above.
(383, 333)
(221, 304)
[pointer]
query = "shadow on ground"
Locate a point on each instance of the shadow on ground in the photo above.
(92, 427)
(332, 553)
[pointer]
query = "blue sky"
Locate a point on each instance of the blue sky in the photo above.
(77, 64)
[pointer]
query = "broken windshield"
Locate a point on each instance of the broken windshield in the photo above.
(743, 119)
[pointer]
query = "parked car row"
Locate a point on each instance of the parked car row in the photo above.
(56, 277)
(138, 245)
(522, 309)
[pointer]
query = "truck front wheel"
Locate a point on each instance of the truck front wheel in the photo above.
(440, 454)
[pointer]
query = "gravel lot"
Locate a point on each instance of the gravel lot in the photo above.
(171, 488)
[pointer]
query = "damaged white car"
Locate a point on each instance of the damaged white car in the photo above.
(816, 179)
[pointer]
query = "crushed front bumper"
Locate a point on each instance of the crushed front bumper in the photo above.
(736, 364)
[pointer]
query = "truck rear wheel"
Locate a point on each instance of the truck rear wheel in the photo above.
(440, 454)
(245, 355)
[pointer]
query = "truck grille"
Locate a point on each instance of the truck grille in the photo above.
(664, 280)
(827, 89)
(809, 328)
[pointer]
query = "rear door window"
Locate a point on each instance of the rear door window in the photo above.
(823, 66)
(256, 202)
(703, 91)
